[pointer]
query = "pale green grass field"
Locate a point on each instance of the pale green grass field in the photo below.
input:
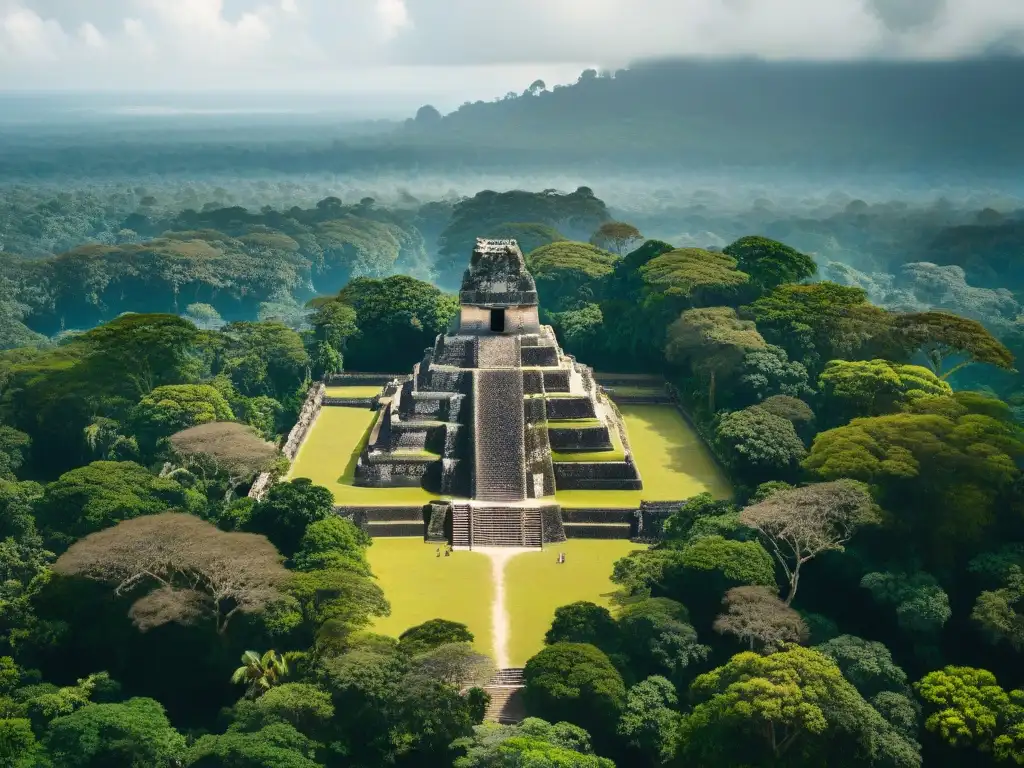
(421, 586)
(535, 585)
(674, 463)
(328, 458)
(354, 391)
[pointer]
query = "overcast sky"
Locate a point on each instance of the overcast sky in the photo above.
(462, 49)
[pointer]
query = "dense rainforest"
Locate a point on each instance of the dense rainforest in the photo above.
(857, 603)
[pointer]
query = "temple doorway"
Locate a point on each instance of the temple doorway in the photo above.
(497, 320)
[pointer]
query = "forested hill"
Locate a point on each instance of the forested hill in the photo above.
(886, 114)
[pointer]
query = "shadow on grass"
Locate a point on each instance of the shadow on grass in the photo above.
(349, 475)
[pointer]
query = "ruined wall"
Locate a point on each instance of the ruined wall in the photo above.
(310, 410)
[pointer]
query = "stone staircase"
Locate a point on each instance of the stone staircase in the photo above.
(498, 436)
(506, 527)
(505, 690)
(461, 516)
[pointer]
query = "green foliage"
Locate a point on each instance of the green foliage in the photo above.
(940, 336)
(656, 639)
(304, 706)
(333, 542)
(691, 276)
(742, 562)
(263, 359)
(966, 708)
(569, 272)
(575, 682)
(133, 733)
(532, 742)
(998, 612)
(790, 705)
(433, 634)
(650, 722)
(875, 388)
(769, 262)
(768, 372)
(173, 407)
(818, 322)
(18, 745)
(408, 312)
(136, 353)
(584, 622)
(260, 673)
(759, 444)
(938, 476)
(921, 604)
(14, 446)
(279, 745)
(616, 236)
(288, 508)
(868, 665)
(102, 494)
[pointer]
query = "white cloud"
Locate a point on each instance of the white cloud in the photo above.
(310, 44)
(91, 36)
(393, 15)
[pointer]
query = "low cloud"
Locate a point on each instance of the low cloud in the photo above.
(345, 44)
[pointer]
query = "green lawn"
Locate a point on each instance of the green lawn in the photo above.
(329, 454)
(422, 586)
(674, 463)
(535, 585)
(367, 390)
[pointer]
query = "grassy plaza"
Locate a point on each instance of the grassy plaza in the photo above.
(674, 463)
(536, 584)
(329, 454)
(422, 586)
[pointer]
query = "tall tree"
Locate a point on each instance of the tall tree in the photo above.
(769, 262)
(799, 524)
(260, 673)
(712, 341)
(616, 236)
(135, 353)
(189, 570)
(756, 615)
(790, 705)
(940, 336)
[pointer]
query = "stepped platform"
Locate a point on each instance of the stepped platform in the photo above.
(496, 416)
(506, 705)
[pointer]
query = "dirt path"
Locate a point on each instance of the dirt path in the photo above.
(499, 612)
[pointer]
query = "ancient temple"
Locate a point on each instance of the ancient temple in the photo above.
(496, 417)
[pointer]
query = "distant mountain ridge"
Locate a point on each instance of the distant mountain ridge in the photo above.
(755, 112)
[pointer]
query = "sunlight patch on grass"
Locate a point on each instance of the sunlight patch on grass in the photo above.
(535, 585)
(421, 586)
(674, 463)
(329, 455)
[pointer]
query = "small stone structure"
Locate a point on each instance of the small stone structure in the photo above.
(473, 422)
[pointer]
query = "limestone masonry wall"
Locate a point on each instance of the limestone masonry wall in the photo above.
(310, 410)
